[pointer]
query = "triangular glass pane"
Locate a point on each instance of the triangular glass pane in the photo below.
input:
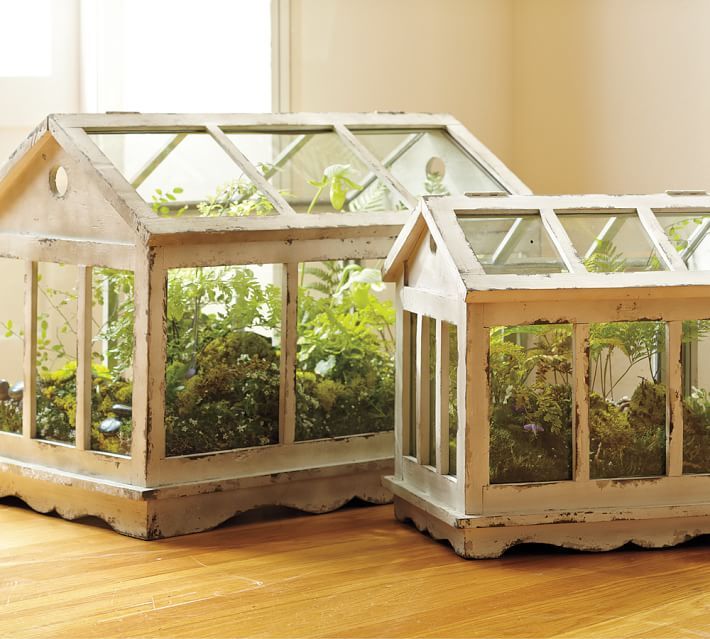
(610, 243)
(517, 244)
(427, 162)
(316, 172)
(183, 174)
(688, 232)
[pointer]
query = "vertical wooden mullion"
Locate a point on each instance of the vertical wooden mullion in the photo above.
(403, 372)
(580, 422)
(83, 368)
(422, 389)
(289, 339)
(149, 360)
(476, 467)
(674, 421)
(442, 397)
(29, 403)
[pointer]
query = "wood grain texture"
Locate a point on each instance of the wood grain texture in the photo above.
(353, 573)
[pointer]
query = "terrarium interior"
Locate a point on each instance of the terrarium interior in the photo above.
(553, 343)
(212, 285)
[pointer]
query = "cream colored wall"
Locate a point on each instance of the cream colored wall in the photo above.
(407, 55)
(612, 95)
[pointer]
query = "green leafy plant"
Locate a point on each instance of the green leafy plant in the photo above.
(336, 178)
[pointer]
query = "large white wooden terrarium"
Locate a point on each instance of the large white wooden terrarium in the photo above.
(204, 328)
(553, 370)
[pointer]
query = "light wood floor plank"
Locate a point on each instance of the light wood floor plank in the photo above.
(353, 573)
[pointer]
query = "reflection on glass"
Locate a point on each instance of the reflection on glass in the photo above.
(223, 349)
(511, 244)
(427, 162)
(696, 396)
(113, 318)
(183, 174)
(688, 232)
(611, 243)
(345, 352)
(316, 172)
(530, 381)
(11, 346)
(627, 399)
(57, 306)
(453, 396)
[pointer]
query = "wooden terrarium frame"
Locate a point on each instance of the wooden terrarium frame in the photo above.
(168, 442)
(552, 370)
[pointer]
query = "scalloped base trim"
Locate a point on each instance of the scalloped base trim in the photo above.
(156, 513)
(593, 536)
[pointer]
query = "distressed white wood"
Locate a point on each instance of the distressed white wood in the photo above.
(674, 438)
(83, 369)
(403, 371)
(476, 468)
(580, 421)
(665, 249)
(289, 339)
(439, 307)
(29, 405)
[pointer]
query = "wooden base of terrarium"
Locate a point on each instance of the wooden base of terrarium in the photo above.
(489, 536)
(179, 509)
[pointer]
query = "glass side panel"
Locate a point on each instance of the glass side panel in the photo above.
(453, 396)
(316, 172)
(183, 174)
(222, 378)
(611, 243)
(627, 399)
(696, 396)
(57, 344)
(113, 319)
(530, 379)
(427, 162)
(12, 334)
(688, 232)
(511, 244)
(345, 351)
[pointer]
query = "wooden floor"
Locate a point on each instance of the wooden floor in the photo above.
(353, 573)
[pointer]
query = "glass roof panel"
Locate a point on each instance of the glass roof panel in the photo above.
(316, 172)
(509, 243)
(688, 232)
(427, 162)
(183, 174)
(611, 243)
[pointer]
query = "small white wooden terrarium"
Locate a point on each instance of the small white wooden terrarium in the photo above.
(203, 327)
(553, 370)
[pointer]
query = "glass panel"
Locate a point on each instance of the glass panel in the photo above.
(345, 353)
(11, 347)
(427, 162)
(183, 174)
(531, 403)
(627, 399)
(611, 243)
(316, 172)
(432, 392)
(223, 358)
(511, 244)
(453, 396)
(696, 396)
(413, 391)
(57, 304)
(113, 317)
(688, 232)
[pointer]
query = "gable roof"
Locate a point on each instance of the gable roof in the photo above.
(440, 215)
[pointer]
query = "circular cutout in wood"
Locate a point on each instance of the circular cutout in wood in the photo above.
(59, 181)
